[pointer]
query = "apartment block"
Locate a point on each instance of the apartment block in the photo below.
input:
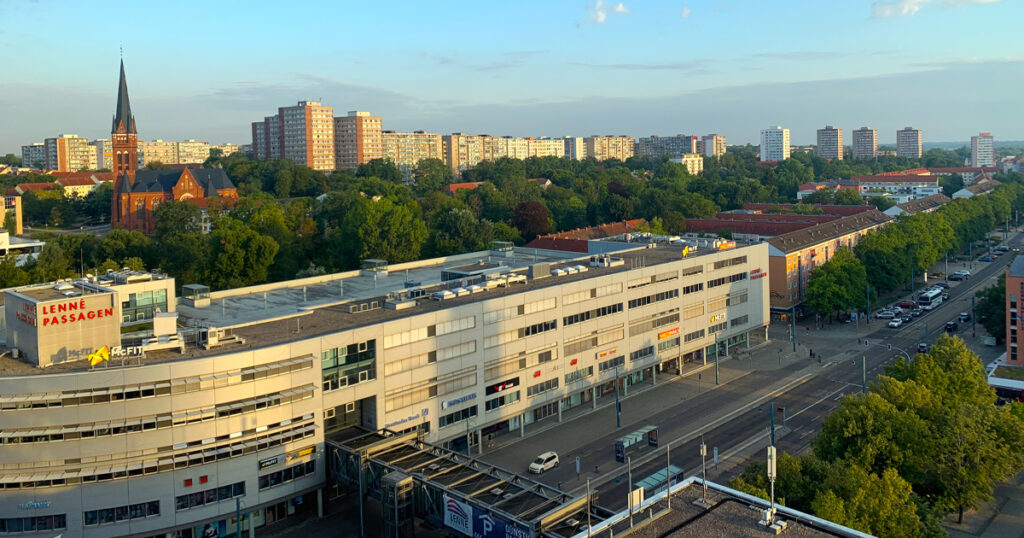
(160, 151)
(602, 148)
(830, 143)
(226, 149)
(714, 145)
(545, 147)
(694, 162)
(774, 144)
(983, 150)
(357, 139)
(407, 149)
(575, 148)
(69, 153)
(192, 152)
(656, 147)
(908, 143)
(34, 155)
(104, 153)
(303, 133)
(1014, 320)
(865, 143)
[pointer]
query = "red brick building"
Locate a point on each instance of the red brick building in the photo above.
(137, 193)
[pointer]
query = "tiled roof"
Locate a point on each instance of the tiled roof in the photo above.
(210, 179)
(35, 186)
(551, 243)
(75, 181)
(454, 187)
(841, 210)
(964, 170)
(924, 204)
(599, 232)
(801, 239)
(912, 171)
(765, 228)
(904, 178)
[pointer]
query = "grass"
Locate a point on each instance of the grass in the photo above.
(1009, 372)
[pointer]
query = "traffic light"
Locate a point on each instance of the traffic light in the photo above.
(866, 342)
(890, 347)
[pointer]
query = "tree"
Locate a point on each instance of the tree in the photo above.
(838, 284)
(882, 505)
(10, 274)
(380, 168)
(991, 308)
(431, 175)
(156, 165)
(532, 219)
(239, 256)
(848, 197)
(56, 219)
(176, 218)
(881, 203)
(10, 159)
(458, 230)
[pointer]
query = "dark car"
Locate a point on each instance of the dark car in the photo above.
(956, 277)
(985, 259)
(943, 285)
(906, 304)
(922, 348)
(951, 326)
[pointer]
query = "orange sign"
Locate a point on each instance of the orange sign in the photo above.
(665, 334)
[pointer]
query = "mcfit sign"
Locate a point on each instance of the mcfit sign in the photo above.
(461, 516)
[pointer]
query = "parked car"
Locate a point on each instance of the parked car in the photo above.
(897, 310)
(942, 285)
(906, 318)
(957, 277)
(544, 462)
(895, 323)
(916, 312)
(906, 304)
(885, 314)
(985, 259)
(1003, 248)
(964, 316)
(922, 348)
(964, 272)
(951, 326)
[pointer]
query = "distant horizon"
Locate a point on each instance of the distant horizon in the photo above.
(535, 68)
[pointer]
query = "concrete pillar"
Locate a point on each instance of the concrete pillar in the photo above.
(654, 374)
(593, 397)
(625, 386)
(320, 502)
(252, 527)
(479, 442)
(559, 411)
(679, 364)
(522, 425)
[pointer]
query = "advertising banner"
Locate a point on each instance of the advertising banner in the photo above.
(458, 515)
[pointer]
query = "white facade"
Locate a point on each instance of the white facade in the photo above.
(714, 145)
(774, 144)
(148, 442)
(983, 150)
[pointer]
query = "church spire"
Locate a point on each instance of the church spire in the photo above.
(123, 113)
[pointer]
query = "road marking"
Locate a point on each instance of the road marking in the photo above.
(823, 398)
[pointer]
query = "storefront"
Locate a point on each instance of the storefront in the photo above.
(302, 505)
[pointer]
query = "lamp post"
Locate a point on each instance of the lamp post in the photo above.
(618, 404)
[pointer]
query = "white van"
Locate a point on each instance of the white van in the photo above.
(544, 462)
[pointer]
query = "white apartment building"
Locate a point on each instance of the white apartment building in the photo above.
(405, 150)
(983, 150)
(694, 163)
(714, 145)
(908, 143)
(575, 148)
(602, 148)
(774, 144)
(865, 143)
(161, 442)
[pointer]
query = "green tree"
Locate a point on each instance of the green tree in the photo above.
(382, 169)
(532, 219)
(156, 165)
(239, 256)
(882, 505)
(431, 175)
(10, 274)
(838, 284)
(175, 218)
(10, 159)
(391, 231)
(55, 219)
(848, 197)
(991, 308)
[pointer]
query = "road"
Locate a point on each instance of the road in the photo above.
(734, 418)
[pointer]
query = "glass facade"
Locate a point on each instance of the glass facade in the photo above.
(141, 306)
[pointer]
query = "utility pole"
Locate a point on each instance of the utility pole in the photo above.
(867, 294)
(238, 517)
(974, 326)
(773, 422)
(717, 353)
(588, 509)
(771, 479)
(618, 404)
(629, 475)
(703, 471)
(792, 331)
(863, 374)
(668, 475)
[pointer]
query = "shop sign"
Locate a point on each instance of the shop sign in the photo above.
(504, 385)
(457, 401)
(296, 454)
(125, 352)
(458, 515)
(606, 353)
(269, 462)
(665, 334)
(409, 418)
(757, 273)
(27, 314)
(72, 312)
(34, 505)
(717, 318)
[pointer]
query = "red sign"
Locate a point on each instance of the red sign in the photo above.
(573, 362)
(71, 312)
(757, 273)
(666, 334)
(536, 374)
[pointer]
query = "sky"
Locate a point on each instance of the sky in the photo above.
(207, 70)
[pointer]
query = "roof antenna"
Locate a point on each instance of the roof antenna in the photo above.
(122, 51)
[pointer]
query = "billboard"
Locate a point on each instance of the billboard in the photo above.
(458, 515)
(461, 516)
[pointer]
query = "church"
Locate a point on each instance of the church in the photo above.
(137, 193)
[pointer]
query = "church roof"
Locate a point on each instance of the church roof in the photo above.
(210, 179)
(123, 112)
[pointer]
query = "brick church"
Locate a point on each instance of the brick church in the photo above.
(137, 193)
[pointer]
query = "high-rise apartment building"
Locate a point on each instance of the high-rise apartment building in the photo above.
(865, 143)
(830, 143)
(69, 153)
(192, 152)
(655, 147)
(34, 155)
(774, 144)
(157, 151)
(983, 150)
(1014, 320)
(908, 143)
(575, 148)
(104, 153)
(303, 133)
(694, 162)
(714, 145)
(545, 147)
(609, 147)
(357, 139)
(405, 150)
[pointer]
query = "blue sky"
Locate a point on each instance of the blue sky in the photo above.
(206, 70)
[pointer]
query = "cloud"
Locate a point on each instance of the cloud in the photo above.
(909, 8)
(694, 67)
(685, 13)
(600, 9)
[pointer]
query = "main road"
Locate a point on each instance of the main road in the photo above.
(742, 427)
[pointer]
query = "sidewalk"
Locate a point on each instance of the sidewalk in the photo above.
(1001, 517)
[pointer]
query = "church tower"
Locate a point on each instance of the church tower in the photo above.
(125, 148)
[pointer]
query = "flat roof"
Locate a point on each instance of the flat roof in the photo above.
(290, 312)
(1017, 267)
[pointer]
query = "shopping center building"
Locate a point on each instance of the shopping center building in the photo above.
(216, 398)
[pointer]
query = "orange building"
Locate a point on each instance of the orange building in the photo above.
(1014, 325)
(357, 140)
(137, 193)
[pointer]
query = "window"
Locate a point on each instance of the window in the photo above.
(716, 282)
(573, 298)
(695, 335)
(668, 344)
(693, 310)
(730, 262)
(538, 328)
(121, 513)
(641, 328)
(210, 496)
(643, 301)
(610, 289)
(693, 288)
(718, 303)
(501, 338)
(539, 306)
(590, 342)
(495, 316)
(501, 401)
(742, 320)
(737, 277)
(33, 523)
(284, 476)
(406, 337)
(577, 375)
(641, 353)
(590, 314)
(542, 387)
(695, 270)
(737, 298)
(611, 363)
(717, 328)
(455, 325)
(458, 416)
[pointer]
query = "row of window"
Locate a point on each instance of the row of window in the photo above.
(653, 279)
(106, 516)
(435, 386)
(443, 354)
(577, 375)
(593, 293)
(173, 386)
(591, 314)
(668, 344)
(730, 262)
(422, 333)
(641, 328)
(501, 401)
(641, 353)
(590, 342)
(736, 322)
(210, 496)
(33, 523)
(693, 288)
(718, 327)
(284, 476)
(350, 354)
(541, 387)
(507, 365)
(695, 335)
(538, 328)
(727, 279)
(663, 296)
(458, 416)
(611, 363)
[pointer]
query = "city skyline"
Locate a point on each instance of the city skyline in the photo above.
(544, 73)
